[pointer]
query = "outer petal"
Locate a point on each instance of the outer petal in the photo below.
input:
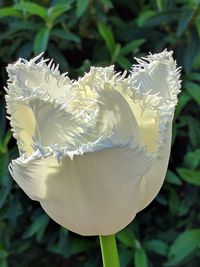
(152, 181)
(39, 76)
(54, 124)
(93, 194)
(44, 122)
(156, 82)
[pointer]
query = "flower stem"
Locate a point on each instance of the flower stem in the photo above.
(109, 251)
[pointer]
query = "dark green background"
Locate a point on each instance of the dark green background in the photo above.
(78, 34)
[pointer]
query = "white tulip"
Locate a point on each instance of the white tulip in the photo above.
(93, 152)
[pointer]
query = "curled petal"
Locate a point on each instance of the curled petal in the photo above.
(94, 194)
(115, 116)
(54, 124)
(38, 76)
(154, 178)
(157, 75)
(156, 85)
(23, 124)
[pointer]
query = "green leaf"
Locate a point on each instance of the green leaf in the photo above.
(193, 76)
(174, 202)
(40, 223)
(58, 57)
(157, 246)
(172, 178)
(182, 102)
(161, 18)
(2, 119)
(65, 35)
(192, 49)
(147, 14)
(185, 244)
(56, 10)
(3, 263)
(80, 245)
(124, 62)
(4, 161)
(32, 8)
(81, 7)
(128, 48)
(29, 26)
(190, 176)
(9, 12)
(108, 37)
(184, 20)
(127, 238)
(3, 254)
(126, 257)
(116, 53)
(140, 258)
(41, 41)
(25, 50)
(194, 90)
(194, 131)
(4, 192)
(192, 159)
(6, 139)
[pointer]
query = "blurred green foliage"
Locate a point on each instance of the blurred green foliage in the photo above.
(78, 34)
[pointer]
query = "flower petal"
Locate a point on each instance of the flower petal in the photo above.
(93, 194)
(152, 181)
(23, 124)
(54, 124)
(156, 84)
(114, 117)
(38, 76)
(157, 75)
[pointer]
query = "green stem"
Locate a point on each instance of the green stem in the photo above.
(109, 251)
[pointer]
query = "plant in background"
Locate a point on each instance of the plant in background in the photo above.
(93, 152)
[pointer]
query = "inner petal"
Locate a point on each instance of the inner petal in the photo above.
(147, 120)
(116, 118)
(23, 124)
(55, 125)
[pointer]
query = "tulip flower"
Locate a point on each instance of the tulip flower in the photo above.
(94, 151)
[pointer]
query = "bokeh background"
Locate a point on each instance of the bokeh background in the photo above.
(78, 34)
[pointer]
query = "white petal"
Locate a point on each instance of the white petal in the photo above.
(157, 75)
(152, 181)
(23, 124)
(44, 122)
(93, 194)
(155, 87)
(38, 76)
(54, 124)
(114, 117)
(147, 120)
